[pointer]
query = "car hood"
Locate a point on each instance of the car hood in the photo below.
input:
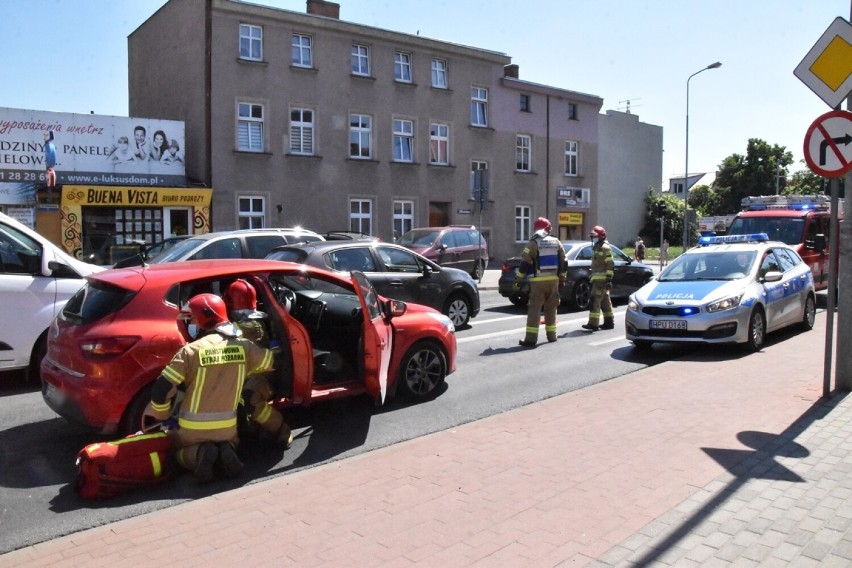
(691, 292)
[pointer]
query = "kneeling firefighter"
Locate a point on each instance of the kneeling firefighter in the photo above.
(241, 299)
(212, 369)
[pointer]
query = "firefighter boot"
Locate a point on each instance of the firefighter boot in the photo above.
(608, 323)
(229, 462)
(205, 458)
(590, 327)
(285, 436)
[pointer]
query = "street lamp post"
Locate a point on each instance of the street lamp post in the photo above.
(686, 168)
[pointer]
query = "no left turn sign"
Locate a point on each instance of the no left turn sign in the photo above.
(828, 144)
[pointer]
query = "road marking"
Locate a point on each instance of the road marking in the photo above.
(519, 330)
(478, 321)
(597, 343)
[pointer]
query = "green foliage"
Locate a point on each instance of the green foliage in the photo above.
(752, 174)
(805, 182)
(667, 207)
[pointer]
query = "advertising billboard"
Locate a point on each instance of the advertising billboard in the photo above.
(86, 149)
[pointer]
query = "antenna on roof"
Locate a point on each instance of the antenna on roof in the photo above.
(627, 108)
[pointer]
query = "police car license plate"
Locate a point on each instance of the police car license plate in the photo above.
(667, 324)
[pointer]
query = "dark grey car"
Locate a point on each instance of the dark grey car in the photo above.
(395, 272)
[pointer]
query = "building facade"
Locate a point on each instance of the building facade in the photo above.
(304, 119)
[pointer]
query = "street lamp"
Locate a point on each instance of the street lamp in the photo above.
(686, 168)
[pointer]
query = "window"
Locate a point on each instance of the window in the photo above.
(250, 127)
(439, 144)
(439, 73)
(301, 51)
(403, 217)
(677, 187)
(522, 223)
(525, 103)
(523, 147)
(361, 60)
(570, 158)
(360, 134)
(361, 216)
(252, 212)
(302, 131)
(478, 180)
(402, 67)
(479, 106)
(572, 111)
(251, 42)
(403, 140)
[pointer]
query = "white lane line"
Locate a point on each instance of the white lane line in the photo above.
(597, 343)
(477, 321)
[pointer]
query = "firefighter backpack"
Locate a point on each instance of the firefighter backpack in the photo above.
(106, 469)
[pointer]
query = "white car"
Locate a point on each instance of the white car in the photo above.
(732, 289)
(36, 280)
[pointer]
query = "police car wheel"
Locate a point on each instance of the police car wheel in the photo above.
(756, 330)
(809, 316)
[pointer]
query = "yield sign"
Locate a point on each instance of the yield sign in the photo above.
(828, 144)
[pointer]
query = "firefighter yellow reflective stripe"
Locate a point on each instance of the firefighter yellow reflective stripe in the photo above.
(264, 414)
(543, 278)
(241, 379)
(550, 328)
(172, 375)
(207, 424)
(533, 330)
(131, 439)
(200, 377)
(156, 466)
(164, 407)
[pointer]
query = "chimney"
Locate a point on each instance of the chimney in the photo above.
(324, 8)
(510, 71)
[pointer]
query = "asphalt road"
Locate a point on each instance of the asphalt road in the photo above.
(37, 448)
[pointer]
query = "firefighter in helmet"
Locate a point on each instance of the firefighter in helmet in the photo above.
(241, 299)
(602, 270)
(543, 260)
(211, 369)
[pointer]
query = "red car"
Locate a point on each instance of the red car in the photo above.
(338, 338)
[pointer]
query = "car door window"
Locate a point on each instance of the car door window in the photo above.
(19, 254)
(350, 259)
(786, 260)
(463, 238)
(769, 263)
(398, 260)
(223, 248)
(585, 253)
(259, 245)
(448, 240)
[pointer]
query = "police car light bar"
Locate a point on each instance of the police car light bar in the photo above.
(727, 239)
(796, 202)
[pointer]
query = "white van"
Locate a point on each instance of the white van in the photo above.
(36, 279)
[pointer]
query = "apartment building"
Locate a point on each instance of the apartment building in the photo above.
(305, 119)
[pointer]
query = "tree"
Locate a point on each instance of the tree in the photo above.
(667, 207)
(805, 182)
(752, 174)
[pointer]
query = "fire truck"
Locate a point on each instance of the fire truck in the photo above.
(801, 221)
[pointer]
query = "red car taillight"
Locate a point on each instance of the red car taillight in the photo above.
(108, 346)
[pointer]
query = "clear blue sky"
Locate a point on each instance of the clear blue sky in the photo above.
(71, 56)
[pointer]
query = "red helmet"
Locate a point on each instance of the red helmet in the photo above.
(598, 232)
(208, 310)
(240, 295)
(541, 224)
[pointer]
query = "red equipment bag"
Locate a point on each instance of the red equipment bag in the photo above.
(106, 469)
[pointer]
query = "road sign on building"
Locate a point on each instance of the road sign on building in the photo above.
(827, 68)
(828, 144)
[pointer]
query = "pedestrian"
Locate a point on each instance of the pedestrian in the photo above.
(241, 299)
(212, 369)
(543, 261)
(664, 253)
(639, 249)
(602, 270)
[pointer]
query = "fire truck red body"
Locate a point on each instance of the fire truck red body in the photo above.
(801, 221)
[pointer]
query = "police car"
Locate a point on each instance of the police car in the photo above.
(731, 289)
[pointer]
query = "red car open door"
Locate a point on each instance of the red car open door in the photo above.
(378, 339)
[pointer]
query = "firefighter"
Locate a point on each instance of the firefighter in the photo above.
(543, 260)
(212, 369)
(602, 271)
(241, 299)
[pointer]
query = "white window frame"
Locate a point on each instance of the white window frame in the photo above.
(403, 216)
(523, 223)
(302, 131)
(572, 158)
(301, 51)
(476, 165)
(253, 36)
(361, 216)
(402, 67)
(360, 136)
(251, 212)
(439, 74)
(403, 140)
(439, 144)
(250, 127)
(360, 60)
(479, 106)
(523, 153)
